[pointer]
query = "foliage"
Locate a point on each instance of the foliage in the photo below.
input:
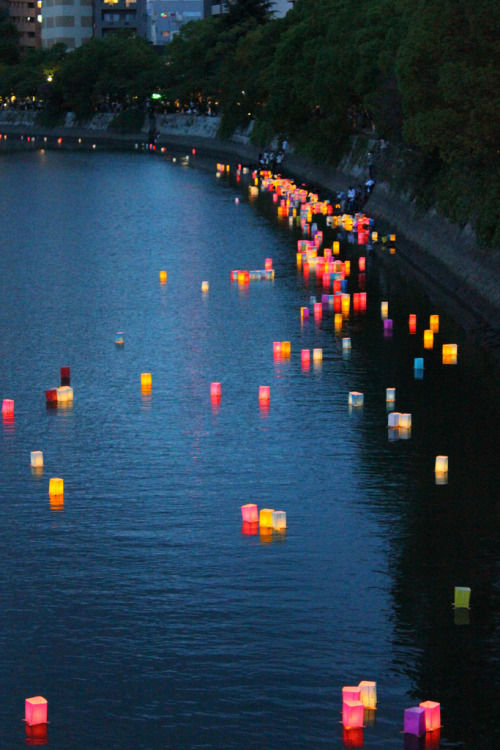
(130, 120)
(9, 41)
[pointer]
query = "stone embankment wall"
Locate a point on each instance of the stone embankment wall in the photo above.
(443, 256)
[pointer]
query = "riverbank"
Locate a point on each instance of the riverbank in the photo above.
(444, 259)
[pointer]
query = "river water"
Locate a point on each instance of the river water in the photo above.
(137, 607)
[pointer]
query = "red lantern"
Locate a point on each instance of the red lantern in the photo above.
(352, 737)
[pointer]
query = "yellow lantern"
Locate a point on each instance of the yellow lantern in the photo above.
(347, 267)
(462, 597)
(285, 348)
(428, 339)
(392, 237)
(336, 248)
(405, 421)
(36, 458)
(64, 394)
(317, 355)
(338, 321)
(384, 310)
(266, 517)
(56, 486)
(441, 465)
(368, 695)
(434, 323)
(346, 303)
(449, 354)
(204, 286)
(163, 277)
(146, 380)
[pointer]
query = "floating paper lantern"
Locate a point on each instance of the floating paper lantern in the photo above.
(449, 354)
(384, 309)
(264, 393)
(318, 310)
(277, 348)
(392, 237)
(8, 407)
(305, 356)
(35, 711)
(351, 693)
(387, 324)
(413, 323)
(390, 394)
(163, 277)
(266, 517)
(215, 389)
(405, 421)
(249, 512)
(317, 355)
(374, 236)
(204, 286)
(434, 323)
(119, 341)
(65, 375)
(441, 464)
(146, 379)
(418, 363)
(336, 248)
(428, 339)
(346, 303)
(356, 398)
(362, 263)
(414, 722)
(51, 396)
(368, 694)
(393, 419)
(285, 348)
(347, 268)
(278, 520)
(64, 394)
(304, 313)
(56, 486)
(268, 264)
(36, 459)
(462, 597)
(299, 259)
(352, 714)
(432, 715)
(346, 343)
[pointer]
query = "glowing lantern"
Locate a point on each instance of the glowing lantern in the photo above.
(434, 323)
(119, 341)
(449, 354)
(163, 277)
(305, 357)
(374, 236)
(64, 394)
(368, 694)
(264, 393)
(413, 323)
(387, 324)
(384, 310)
(362, 263)
(414, 721)
(204, 286)
(278, 520)
(51, 396)
(405, 421)
(336, 248)
(462, 597)
(346, 303)
(249, 512)
(418, 363)
(317, 355)
(285, 348)
(299, 259)
(347, 268)
(351, 694)
(276, 348)
(8, 407)
(338, 321)
(35, 711)
(432, 715)
(146, 379)
(392, 237)
(36, 459)
(352, 714)
(441, 465)
(428, 339)
(304, 313)
(393, 419)
(65, 375)
(318, 310)
(356, 398)
(346, 344)
(266, 517)
(268, 263)
(215, 389)
(390, 394)
(56, 486)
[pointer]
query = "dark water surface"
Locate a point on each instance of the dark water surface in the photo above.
(138, 608)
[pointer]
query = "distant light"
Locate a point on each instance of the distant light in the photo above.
(155, 96)
(49, 78)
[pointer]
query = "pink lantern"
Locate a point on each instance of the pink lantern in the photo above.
(249, 512)
(8, 407)
(35, 710)
(264, 393)
(351, 694)
(215, 390)
(352, 714)
(432, 715)
(268, 263)
(276, 348)
(305, 357)
(414, 721)
(362, 300)
(362, 263)
(318, 310)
